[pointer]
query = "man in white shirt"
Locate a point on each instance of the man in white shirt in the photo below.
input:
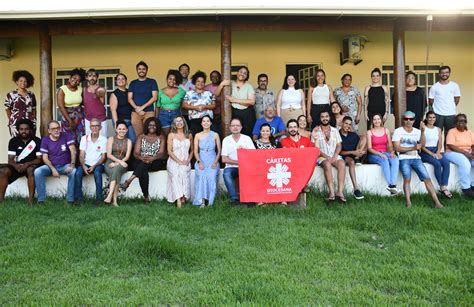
(444, 96)
(329, 142)
(406, 141)
(93, 149)
(230, 145)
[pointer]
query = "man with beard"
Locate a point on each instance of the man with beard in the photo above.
(329, 141)
(406, 141)
(93, 98)
(444, 96)
(23, 157)
(294, 140)
(263, 96)
(142, 95)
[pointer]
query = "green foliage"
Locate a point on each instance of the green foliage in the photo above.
(373, 251)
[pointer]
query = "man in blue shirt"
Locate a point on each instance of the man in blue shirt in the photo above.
(142, 95)
(269, 117)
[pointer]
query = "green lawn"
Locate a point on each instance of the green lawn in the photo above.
(368, 252)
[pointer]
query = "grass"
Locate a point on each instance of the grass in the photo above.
(369, 252)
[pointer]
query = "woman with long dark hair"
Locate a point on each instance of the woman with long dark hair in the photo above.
(320, 95)
(290, 100)
(377, 98)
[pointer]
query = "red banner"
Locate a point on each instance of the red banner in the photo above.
(275, 175)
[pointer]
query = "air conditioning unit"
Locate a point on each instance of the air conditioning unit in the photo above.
(352, 47)
(6, 49)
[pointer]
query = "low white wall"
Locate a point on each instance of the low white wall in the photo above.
(369, 177)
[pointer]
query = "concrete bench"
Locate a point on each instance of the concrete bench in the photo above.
(369, 177)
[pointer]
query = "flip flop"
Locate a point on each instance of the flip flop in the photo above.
(341, 199)
(446, 193)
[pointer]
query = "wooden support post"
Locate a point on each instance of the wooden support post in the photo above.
(400, 98)
(226, 65)
(46, 77)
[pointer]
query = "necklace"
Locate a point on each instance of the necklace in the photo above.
(122, 147)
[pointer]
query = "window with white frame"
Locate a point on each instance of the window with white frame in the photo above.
(106, 80)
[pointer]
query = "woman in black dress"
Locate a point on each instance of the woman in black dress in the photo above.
(416, 101)
(377, 98)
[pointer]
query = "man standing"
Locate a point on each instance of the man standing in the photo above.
(444, 96)
(230, 145)
(406, 141)
(211, 87)
(329, 141)
(294, 140)
(23, 157)
(142, 95)
(186, 84)
(59, 157)
(275, 122)
(92, 154)
(263, 96)
(93, 97)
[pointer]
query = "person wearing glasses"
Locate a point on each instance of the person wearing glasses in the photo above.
(58, 151)
(92, 154)
(406, 141)
(460, 151)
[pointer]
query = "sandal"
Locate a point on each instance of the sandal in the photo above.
(331, 198)
(341, 199)
(124, 186)
(446, 193)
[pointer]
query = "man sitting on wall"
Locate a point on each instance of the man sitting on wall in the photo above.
(93, 149)
(59, 157)
(23, 157)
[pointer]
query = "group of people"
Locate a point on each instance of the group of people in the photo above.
(178, 127)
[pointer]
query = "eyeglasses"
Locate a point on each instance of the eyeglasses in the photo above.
(54, 128)
(408, 118)
(95, 126)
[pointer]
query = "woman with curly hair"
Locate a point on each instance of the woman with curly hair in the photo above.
(71, 105)
(21, 103)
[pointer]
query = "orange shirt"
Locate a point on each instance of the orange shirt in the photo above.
(463, 140)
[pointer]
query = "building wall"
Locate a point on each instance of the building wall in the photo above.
(262, 52)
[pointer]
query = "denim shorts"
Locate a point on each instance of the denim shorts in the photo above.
(166, 117)
(406, 165)
(321, 159)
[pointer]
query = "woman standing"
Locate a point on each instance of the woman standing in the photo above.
(319, 98)
(303, 127)
(180, 151)
(380, 151)
(169, 100)
(242, 99)
(376, 97)
(198, 102)
(70, 104)
(416, 101)
(290, 100)
(119, 149)
(207, 163)
(119, 106)
(431, 146)
(148, 153)
(21, 103)
(336, 115)
(350, 100)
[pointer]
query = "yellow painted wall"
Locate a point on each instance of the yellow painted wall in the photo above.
(263, 52)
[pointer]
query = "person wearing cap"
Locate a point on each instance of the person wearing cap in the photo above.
(406, 141)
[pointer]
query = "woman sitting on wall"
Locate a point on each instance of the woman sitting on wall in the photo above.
(119, 149)
(180, 151)
(380, 151)
(148, 152)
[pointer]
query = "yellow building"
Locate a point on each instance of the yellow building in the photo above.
(269, 43)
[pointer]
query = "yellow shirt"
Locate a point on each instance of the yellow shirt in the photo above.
(72, 99)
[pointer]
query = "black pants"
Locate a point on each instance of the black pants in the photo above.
(141, 171)
(247, 116)
(316, 110)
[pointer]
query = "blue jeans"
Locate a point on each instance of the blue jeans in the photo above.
(441, 166)
(97, 178)
(230, 175)
(130, 133)
(166, 117)
(406, 165)
(464, 168)
(389, 166)
(40, 180)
